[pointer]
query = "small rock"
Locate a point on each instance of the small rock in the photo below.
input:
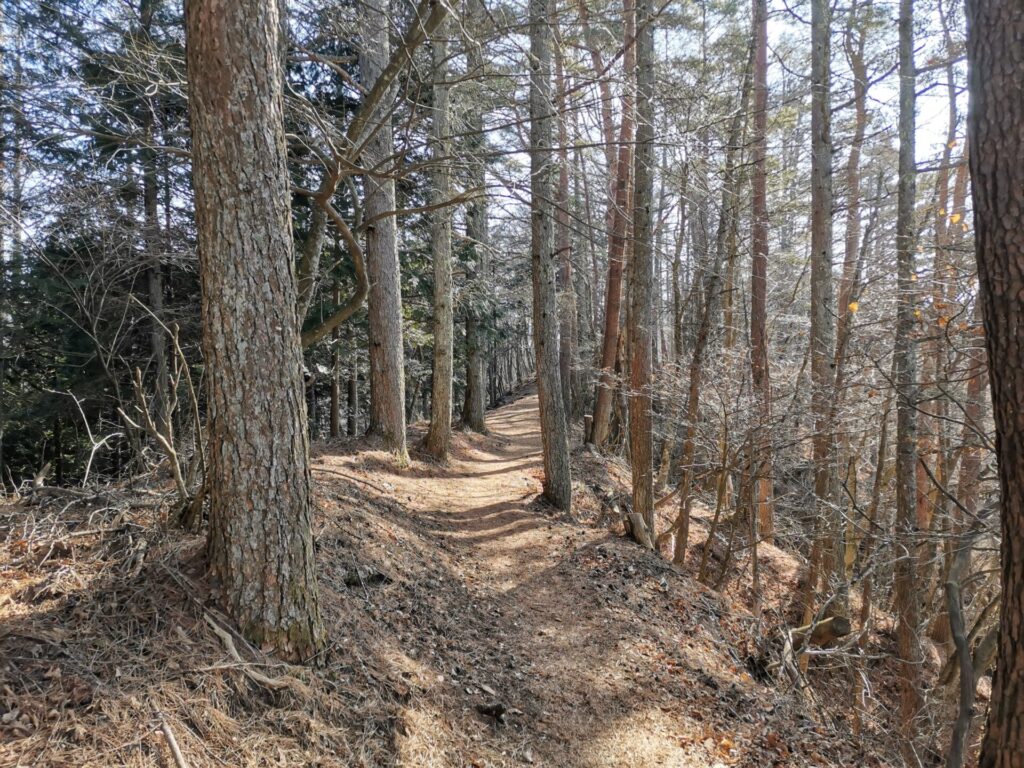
(495, 709)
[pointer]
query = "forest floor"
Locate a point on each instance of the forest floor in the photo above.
(470, 624)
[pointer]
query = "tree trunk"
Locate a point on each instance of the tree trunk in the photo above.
(151, 234)
(387, 364)
(907, 599)
(711, 283)
(759, 279)
(477, 233)
(826, 538)
(439, 433)
(260, 543)
(554, 434)
(336, 372)
(352, 403)
(996, 58)
(641, 276)
(617, 242)
(563, 243)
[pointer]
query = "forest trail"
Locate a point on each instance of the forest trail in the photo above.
(485, 501)
(469, 625)
(599, 653)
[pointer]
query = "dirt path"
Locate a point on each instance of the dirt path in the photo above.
(596, 650)
(469, 625)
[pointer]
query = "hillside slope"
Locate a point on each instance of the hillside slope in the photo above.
(470, 624)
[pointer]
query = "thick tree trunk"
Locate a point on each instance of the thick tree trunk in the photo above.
(387, 363)
(554, 433)
(439, 433)
(907, 597)
(260, 542)
(641, 277)
(996, 58)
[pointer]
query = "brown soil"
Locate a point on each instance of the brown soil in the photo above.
(470, 624)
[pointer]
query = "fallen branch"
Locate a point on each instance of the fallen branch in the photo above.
(820, 633)
(172, 743)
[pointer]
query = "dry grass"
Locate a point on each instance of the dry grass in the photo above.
(446, 589)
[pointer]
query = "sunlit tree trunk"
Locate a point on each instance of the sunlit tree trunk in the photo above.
(617, 242)
(554, 432)
(641, 275)
(907, 598)
(439, 432)
(387, 363)
(759, 278)
(260, 542)
(563, 243)
(822, 341)
(474, 405)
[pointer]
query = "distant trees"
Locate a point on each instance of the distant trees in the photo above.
(678, 291)
(261, 540)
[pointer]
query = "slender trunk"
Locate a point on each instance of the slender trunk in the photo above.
(827, 535)
(617, 241)
(762, 489)
(387, 364)
(641, 275)
(563, 243)
(352, 391)
(554, 433)
(439, 432)
(336, 373)
(905, 374)
(151, 235)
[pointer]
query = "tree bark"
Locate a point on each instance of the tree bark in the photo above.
(336, 373)
(907, 599)
(641, 276)
(260, 542)
(761, 382)
(996, 69)
(822, 341)
(352, 390)
(387, 363)
(439, 433)
(563, 243)
(474, 405)
(617, 241)
(554, 433)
